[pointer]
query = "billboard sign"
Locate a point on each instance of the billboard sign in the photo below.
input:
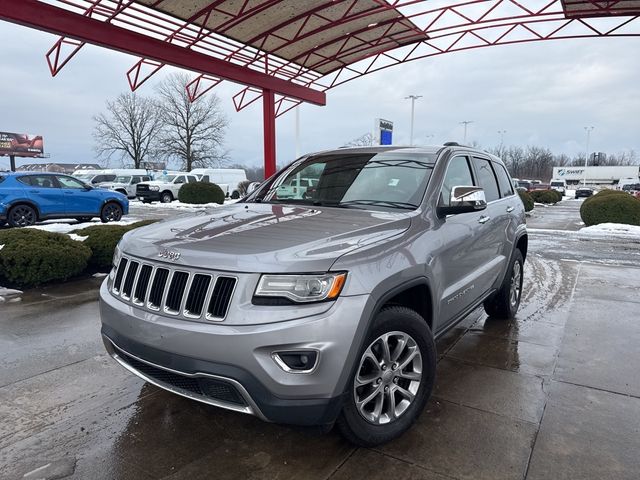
(21, 145)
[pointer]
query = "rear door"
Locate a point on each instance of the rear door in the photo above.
(45, 191)
(77, 199)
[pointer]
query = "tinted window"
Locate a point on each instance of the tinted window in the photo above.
(68, 182)
(458, 175)
(487, 179)
(384, 180)
(179, 179)
(192, 178)
(506, 187)
(40, 181)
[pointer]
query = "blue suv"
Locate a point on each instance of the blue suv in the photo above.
(26, 198)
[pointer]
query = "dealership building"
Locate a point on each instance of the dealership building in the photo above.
(596, 175)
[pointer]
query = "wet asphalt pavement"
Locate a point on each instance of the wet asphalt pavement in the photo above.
(554, 394)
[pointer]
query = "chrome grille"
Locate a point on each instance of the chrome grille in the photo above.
(176, 292)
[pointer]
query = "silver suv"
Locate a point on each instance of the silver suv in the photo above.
(322, 308)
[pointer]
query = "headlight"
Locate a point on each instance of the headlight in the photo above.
(302, 288)
(154, 188)
(117, 255)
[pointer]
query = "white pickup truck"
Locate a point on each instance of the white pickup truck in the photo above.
(164, 188)
(125, 184)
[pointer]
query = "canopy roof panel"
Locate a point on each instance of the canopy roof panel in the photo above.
(594, 8)
(321, 35)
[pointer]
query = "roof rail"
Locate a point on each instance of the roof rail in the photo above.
(451, 144)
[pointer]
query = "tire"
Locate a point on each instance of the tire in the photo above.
(505, 302)
(235, 195)
(111, 212)
(83, 219)
(22, 216)
(166, 197)
(373, 423)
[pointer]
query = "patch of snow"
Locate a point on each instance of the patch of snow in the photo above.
(99, 275)
(1, 247)
(10, 295)
(612, 230)
(77, 238)
(178, 205)
(570, 193)
(61, 226)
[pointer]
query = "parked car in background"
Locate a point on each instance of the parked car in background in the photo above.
(228, 179)
(584, 192)
(164, 188)
(631, 187)
(539, 186)
(95, 177)
(559, 186)
(298, 188)
(125, 184)
(325, 309)
(526, 184)
(26, 198)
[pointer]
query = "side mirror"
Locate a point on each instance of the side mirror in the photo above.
(464, 199)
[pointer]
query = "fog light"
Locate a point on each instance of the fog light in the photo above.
(299, 361)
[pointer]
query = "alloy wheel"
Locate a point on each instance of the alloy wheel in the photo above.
(112, 213)
(388, 377)
(516, 284)
(23, 216)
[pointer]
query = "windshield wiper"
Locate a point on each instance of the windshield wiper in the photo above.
(384, 203)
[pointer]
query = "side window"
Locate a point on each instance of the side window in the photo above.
(205, 178)
(68, 182)
(135, 180)
(179, 179)
(40, 181)
(487, 179)
(458, 175)
(192, 179)
(146, 178)
(504, 181)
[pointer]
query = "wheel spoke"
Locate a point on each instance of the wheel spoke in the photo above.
(413, 376)
(409, 359)
(362, 403)
(391, 402)
(405, 393)
(362, 380)
(386, 354)
(402, 342)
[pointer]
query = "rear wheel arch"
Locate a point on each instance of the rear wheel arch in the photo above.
(28, 203)
(522, 244)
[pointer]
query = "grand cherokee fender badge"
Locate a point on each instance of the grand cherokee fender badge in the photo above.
(169, 255)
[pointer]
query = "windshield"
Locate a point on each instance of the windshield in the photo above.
(123, 179)
(385, 180)
(84, 176)
(166, 178)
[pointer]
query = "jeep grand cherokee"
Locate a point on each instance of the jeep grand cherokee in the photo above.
(322, 308)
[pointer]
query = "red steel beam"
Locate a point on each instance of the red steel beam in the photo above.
(269, 116)
(41, 16)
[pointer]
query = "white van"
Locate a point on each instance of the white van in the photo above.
(559, 185)
(226, 178)
(94, 177)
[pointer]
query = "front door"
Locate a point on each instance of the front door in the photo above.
(78, 200)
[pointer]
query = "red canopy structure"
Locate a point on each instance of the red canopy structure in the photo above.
(292, 51)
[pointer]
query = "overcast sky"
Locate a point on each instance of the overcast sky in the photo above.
(542, 93)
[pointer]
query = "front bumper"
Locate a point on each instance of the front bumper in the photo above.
(149, 196)
(240, 356)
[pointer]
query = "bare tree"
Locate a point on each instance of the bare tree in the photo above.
(129, 128)
(365, 140)
(192, 132)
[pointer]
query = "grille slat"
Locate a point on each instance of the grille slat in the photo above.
(121, 268)
(197, 294)
(128, 281)
(176, 292)
(221, 297)
(157, 287)
(140, 291)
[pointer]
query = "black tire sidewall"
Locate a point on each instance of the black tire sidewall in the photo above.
(103, 216)
(166, 195)
(351, 423)
(10, 215)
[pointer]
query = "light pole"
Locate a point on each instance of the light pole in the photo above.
(465, 123)
(501, 132)
(586, 156)
(413, 102)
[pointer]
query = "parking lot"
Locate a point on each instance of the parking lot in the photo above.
(554, 394)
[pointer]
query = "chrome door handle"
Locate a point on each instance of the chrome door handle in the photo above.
(510, 209)
(484, 219)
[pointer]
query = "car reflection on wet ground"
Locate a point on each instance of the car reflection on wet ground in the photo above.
(553, 394)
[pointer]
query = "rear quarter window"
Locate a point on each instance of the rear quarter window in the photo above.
(1, 179)
(505, 184)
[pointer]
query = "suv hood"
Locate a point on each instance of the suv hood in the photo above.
(265, 238)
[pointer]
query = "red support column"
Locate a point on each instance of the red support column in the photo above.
(269, 115)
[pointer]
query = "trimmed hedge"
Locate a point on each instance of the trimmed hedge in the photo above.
(102, 240)
(526, 200)
(546, 196)
(610, 208)
(32, 257)
(604, 193)
(201, 192)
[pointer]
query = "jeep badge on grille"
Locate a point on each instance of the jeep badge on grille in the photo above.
(169, 255)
